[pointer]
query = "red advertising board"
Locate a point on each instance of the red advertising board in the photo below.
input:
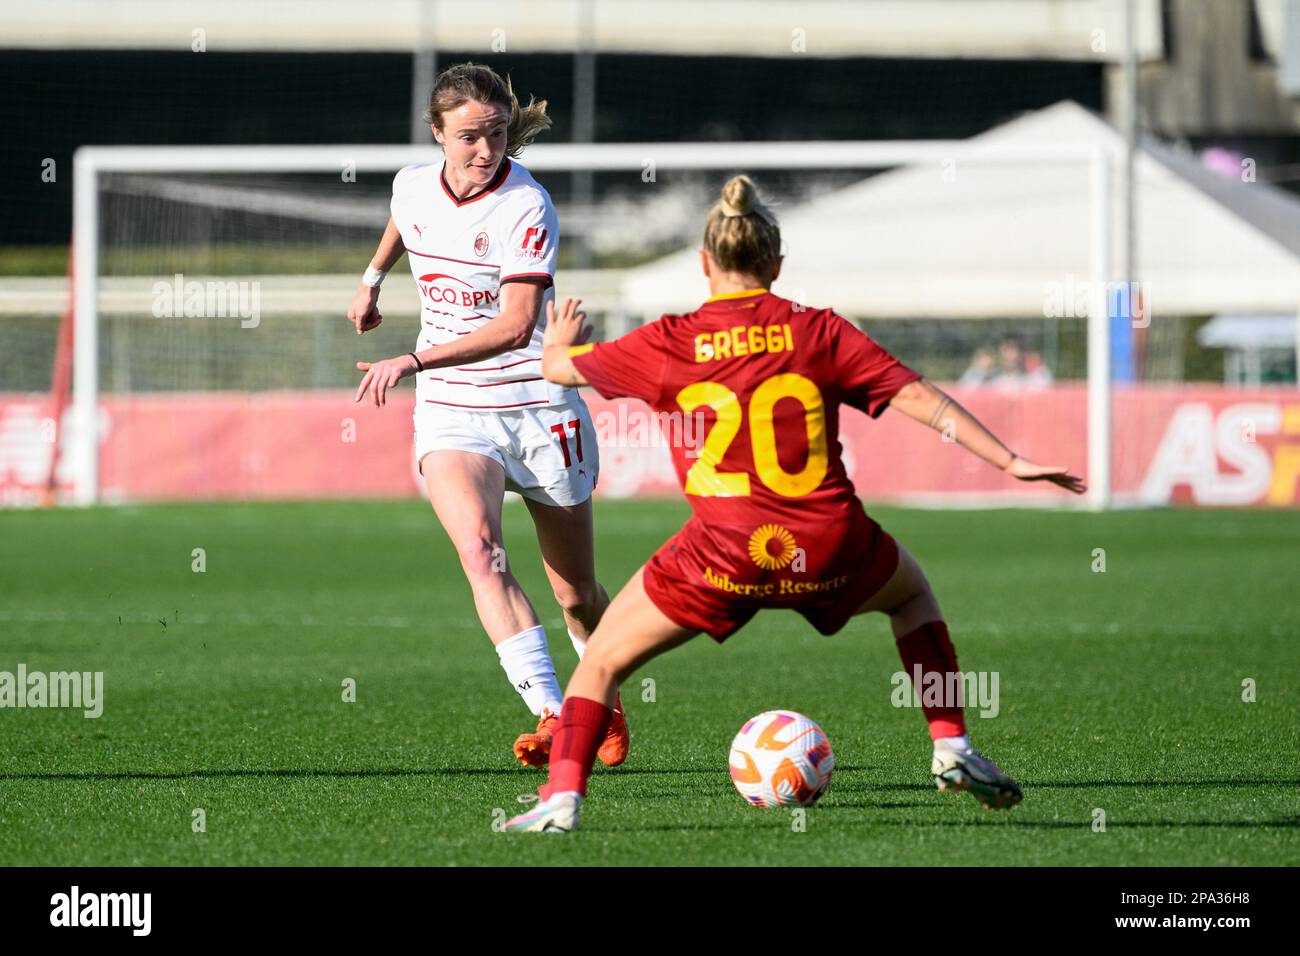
(1203, 445)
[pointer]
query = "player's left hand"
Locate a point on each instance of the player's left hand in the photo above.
(567, 326)
(381, 376)
(1026, 470)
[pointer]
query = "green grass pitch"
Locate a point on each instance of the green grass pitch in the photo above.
(1120, 692)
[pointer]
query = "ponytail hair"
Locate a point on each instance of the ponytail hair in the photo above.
(459, 84)
(741, 232)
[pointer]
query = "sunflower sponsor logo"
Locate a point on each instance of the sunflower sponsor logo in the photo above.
(771, 547)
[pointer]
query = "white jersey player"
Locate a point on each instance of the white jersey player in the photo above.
(481, 236)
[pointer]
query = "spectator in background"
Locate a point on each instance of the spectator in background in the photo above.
(1037, 374)
(1018, 369)
(981, 369)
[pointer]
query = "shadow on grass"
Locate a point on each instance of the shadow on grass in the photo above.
(1089, 784)
(1095, 784)
(91, 775)
(309, 772)
(1004, 821)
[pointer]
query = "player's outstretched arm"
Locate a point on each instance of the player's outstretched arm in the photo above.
(364, 312)
(564, 330)
(927, 403)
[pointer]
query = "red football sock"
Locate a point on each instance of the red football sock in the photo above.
(582, 727)
(929, 647)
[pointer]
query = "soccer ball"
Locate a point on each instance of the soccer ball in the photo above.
(780, 759)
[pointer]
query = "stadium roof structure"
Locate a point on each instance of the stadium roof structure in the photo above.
(1010, 239)
(1002, 29)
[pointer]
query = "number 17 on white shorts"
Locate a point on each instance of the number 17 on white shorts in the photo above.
(549, 452)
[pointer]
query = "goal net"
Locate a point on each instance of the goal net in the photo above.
(213, 358)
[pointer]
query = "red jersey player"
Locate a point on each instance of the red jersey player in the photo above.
(776, 522)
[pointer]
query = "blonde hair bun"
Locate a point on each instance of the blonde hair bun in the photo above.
(738, 196)
(741, 232)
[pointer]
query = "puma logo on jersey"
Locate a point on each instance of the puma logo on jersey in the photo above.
(419, 230)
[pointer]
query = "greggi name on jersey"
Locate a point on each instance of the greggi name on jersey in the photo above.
(741, 340)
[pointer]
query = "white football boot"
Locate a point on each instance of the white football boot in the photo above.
(558, 814)
(968, 769)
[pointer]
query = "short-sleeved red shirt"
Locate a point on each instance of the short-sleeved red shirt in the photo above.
(751, 387)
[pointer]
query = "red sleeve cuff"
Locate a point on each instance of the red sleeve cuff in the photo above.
(589, 366)
(881, 397)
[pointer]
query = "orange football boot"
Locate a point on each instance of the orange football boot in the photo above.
(613, 749)
(534, 750)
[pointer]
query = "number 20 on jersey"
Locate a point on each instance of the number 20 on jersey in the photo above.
(705, 480)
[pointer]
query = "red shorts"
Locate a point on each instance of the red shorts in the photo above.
(687, 586)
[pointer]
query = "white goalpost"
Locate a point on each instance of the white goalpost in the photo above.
(92, 164)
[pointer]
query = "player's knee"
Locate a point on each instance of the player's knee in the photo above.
(607, 659)
(578, 598)
(920, 608)
(481, 557)
(598, 667)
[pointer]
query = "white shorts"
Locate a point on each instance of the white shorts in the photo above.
(526, 442)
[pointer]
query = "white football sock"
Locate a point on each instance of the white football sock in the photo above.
(960, 744)
(526, 659)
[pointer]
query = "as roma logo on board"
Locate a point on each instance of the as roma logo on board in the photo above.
(481, 244)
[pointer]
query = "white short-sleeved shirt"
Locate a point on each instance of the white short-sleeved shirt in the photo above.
(462, 252)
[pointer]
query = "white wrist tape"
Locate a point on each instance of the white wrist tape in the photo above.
(373, 277)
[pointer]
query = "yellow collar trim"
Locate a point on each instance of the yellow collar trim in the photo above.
(736, 295)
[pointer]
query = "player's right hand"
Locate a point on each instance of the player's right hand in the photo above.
(364, 313)
(381, 376)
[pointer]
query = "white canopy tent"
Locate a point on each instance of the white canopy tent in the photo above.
(1247, 339)
(995, 239)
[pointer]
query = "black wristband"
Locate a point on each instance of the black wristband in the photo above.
(419, 366)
